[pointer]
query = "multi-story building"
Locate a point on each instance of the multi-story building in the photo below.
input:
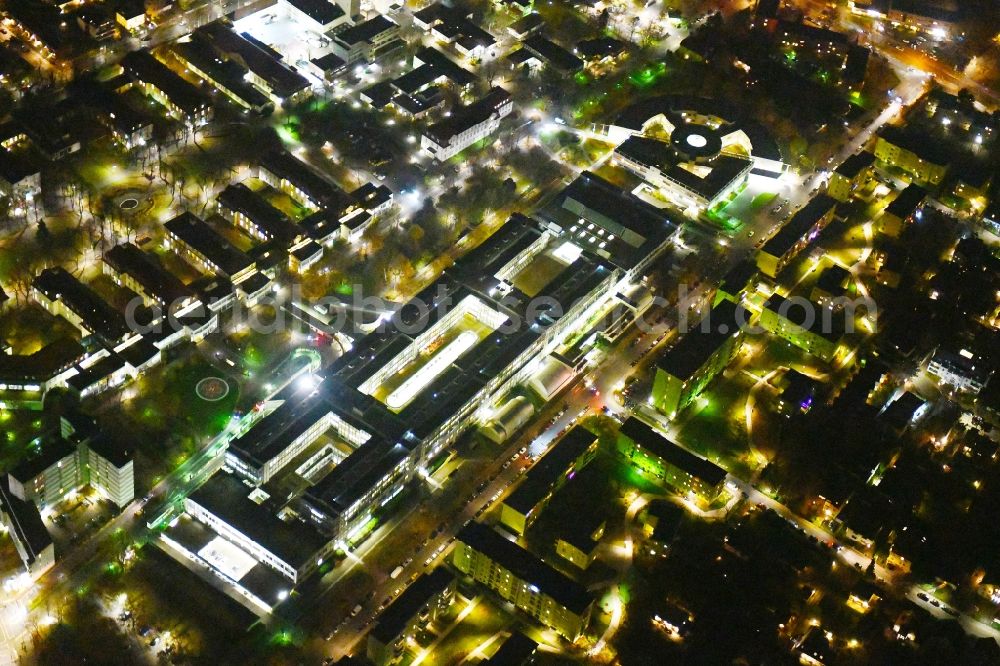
(906, 207)
(367, 41)
(805, 225)
(850, 176)
(26, 378)
(704, 351)
(688, 176)
(24, 524)
(650, 452)
(467, 125)
(810, 327)
(567, 456)
(578, 540)
(964, 371)
(422, 603)
(290, 547)
(923, 157)
(47, 475)
(225, 74)
(287, 173)
(517, 576)
(613, 224)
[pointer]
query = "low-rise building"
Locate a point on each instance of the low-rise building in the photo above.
(650, 452)
(264, 65)
(686, 178)
(197, 242)
(63, 295)
(225, 74)
(517, 576)
(254, 215)
(182, 100)
(143, 274)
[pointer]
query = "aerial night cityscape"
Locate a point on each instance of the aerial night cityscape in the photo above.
(499, 332)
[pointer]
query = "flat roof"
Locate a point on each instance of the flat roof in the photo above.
(366, 31)
(796, 228)
(96, 373)
(226, 497)
(657, 444)
(546, 472)
(660, 155)
(356, 475)
(637, 227)
(702, 340)
(321, 11)
(917, 142)
(276, 431)
(526, 566)
(98, 316)
(855, 164)
(41, 458)
(195, 232)
(26, 522)
(147, 271)
(907, 202)
(114, 451)
(400, 612)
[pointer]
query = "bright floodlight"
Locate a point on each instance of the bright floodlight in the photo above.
(228, 559)
(567, 252)
(434, 367)
(306, 382)
(696, 141)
